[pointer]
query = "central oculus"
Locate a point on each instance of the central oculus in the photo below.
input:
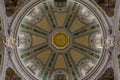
(60, 40)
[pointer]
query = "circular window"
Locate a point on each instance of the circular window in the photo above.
(64, 38)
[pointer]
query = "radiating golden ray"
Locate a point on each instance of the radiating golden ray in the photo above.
(44, 56)
(60, 62)
(36, 40)
(76, 24)
(60, 18)
(44, 24)
(76, 56)
(84, 40)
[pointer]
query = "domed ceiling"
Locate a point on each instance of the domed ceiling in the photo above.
(59, 40)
